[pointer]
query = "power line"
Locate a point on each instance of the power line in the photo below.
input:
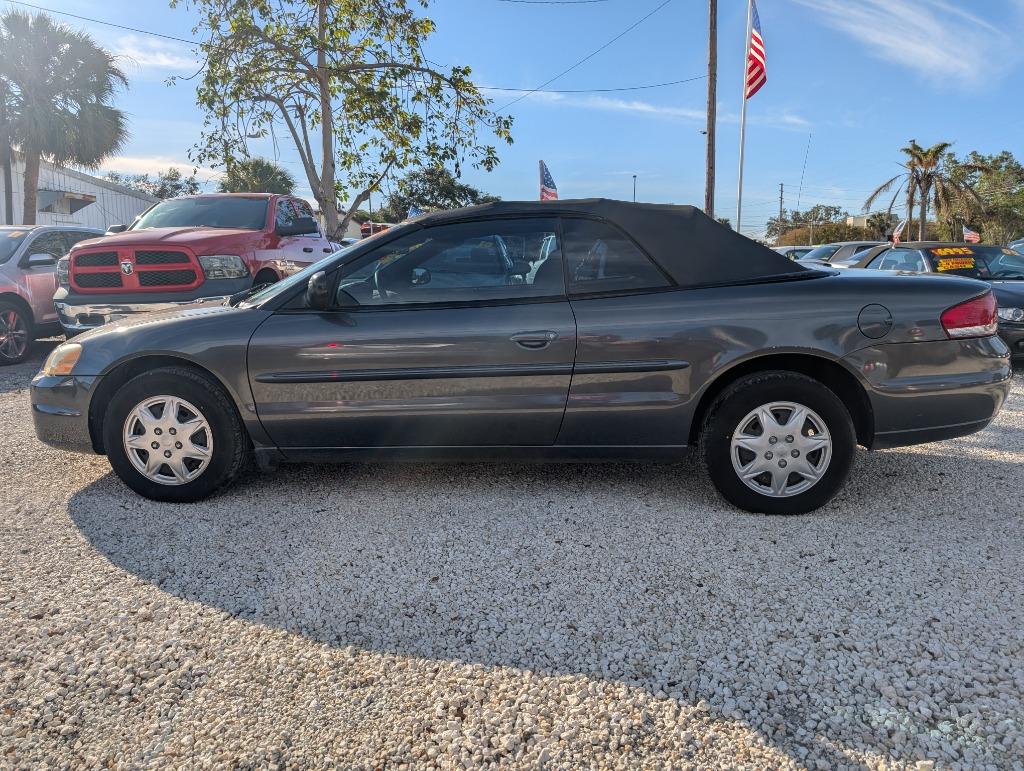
(588, 57)
(107, 23)
(528, 91)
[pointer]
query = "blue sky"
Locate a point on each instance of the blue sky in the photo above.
(859, 77)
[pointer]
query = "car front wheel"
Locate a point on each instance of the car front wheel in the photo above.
(174, 435)
(16, 334)
(778, 443)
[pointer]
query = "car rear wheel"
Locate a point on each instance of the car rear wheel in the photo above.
(778, 443)
(174, 435)
(16, 333)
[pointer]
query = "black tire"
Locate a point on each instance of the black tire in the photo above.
(265, 276)
(748, 394)
(231, 445)
(11, 351)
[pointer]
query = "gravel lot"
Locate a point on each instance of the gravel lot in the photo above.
(566, 616)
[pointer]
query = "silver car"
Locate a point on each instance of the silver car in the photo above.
(28, 279)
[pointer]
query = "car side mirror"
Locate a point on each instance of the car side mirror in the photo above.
(420, 276)
(41, 260)
(303, 226)
(116, 229)
(318, 292)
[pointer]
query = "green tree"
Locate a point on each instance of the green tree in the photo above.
(430, 189)
(256, 175)
(351, 84)
(59, 84)
(997, 208)
(880, 224)
(166, 184)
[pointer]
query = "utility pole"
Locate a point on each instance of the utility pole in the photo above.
(709, 163)
(782, 192)
(634, 188)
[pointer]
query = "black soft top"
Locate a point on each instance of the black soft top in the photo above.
(691, 247)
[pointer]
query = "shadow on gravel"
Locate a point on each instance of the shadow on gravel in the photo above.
(16, 377)
(625, 573)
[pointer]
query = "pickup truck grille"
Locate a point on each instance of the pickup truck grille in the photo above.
(123, 271)
(166, 277)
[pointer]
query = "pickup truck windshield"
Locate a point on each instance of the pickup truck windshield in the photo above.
(206, 212)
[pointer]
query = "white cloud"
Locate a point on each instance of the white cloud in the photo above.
(153, 164)
(932, 37)
(148, 53)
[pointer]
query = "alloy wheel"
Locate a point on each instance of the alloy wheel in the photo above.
(13, 335)
(781, 449)
(168, 440)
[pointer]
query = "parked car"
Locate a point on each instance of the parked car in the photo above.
(187, 249)
(644, 329)
(1001, 267)
(28, 259)
(842, 254)
(793, 252)
(1017, 246)
(368, 229)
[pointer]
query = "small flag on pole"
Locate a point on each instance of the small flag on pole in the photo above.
(548, 190)
(757, 68)
(414, 211)
(971, 236)
(898, 232)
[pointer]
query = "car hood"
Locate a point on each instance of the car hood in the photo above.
(1009, 294)
(200, 309)
(176, 236)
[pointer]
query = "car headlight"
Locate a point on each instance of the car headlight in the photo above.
(63, 271)
(1011, 314)
(223, 266)
(62, 360)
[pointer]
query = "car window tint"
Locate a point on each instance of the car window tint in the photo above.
(600, 258)
(470, 262)
(72, 237)
(286, 214)
(48, 243)
(302, 209)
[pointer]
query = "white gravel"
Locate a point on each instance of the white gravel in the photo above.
(559, 616)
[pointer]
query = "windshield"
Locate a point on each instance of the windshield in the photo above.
(293, 280)
(214, 211)
(984, 262)
(823, 253)
(10, 240)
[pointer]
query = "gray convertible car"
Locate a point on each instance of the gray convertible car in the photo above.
(547, 331)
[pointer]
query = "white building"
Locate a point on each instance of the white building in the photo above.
(68, 197)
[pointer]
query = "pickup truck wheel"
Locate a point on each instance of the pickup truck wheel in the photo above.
(778, 443)
(16, 333)
(265, 277)
(173, 435)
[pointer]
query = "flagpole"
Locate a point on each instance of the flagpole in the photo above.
(743, 113)
(540, 171)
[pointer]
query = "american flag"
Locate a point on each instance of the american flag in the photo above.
(757, 71)
(971, 236)
(414, 211)
(898, 232)
(548, 190)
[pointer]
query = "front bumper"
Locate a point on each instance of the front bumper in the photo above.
(929, 391)
(60, 411)
(79, 313)
(1013, 336)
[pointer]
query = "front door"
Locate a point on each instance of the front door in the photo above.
(455, 335)
(41, 280)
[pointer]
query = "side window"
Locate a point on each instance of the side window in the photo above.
(469, 262)
(48, 243)
(876, 263)
(285, 212)
(600, 258)
(72, 237)
(302, 209)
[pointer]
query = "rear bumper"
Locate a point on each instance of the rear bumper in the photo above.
(60, 411)
(929, 391)
(79, 313)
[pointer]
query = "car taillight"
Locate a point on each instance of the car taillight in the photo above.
(974, 318)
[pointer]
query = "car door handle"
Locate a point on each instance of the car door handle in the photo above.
(534, 340)
(307, 248)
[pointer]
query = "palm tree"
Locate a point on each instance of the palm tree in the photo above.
(257, 175)
(925, 181)
(60, 84)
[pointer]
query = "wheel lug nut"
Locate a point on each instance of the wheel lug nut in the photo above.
(769, 456)
(173, 431)
(773, 440)
(167, 453)
(156, 445)
(788, 438)
(157, 431)
(782, 464)
(795, 453)
(177, 445)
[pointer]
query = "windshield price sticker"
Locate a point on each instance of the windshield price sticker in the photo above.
(955, 263)
(948, 250)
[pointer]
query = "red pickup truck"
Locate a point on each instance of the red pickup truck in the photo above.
(186, 250)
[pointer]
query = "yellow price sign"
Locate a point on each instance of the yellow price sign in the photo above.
(955, 263)
(945, 251)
